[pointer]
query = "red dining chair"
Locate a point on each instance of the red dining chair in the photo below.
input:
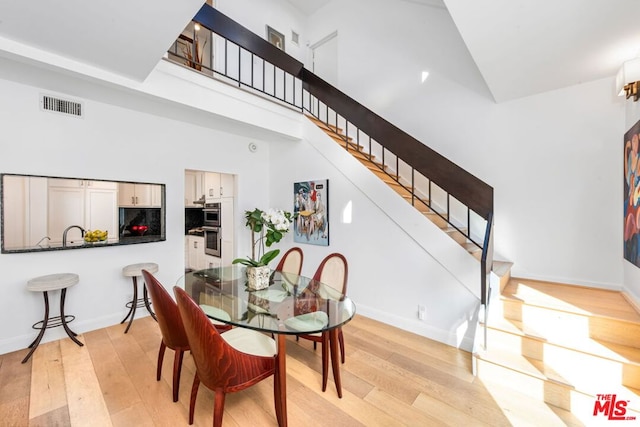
(332, 271)
(291, 261)
(171, 328)
(228, 362)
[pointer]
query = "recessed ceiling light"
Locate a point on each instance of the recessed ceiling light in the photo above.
(425, 74)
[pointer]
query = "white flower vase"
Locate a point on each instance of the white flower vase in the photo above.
(258, 277)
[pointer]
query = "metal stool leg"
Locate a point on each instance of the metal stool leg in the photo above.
(147, 303)
(63, 319)
(36, 342)
(131, 309)
(134, 304)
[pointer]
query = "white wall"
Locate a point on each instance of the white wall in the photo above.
(116, 143)
(280, 15)
(397, 259)
(553, 159)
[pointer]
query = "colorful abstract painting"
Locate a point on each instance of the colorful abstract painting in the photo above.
(632, 195)
(311, 209)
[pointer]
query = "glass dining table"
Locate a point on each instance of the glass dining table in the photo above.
(291, 305)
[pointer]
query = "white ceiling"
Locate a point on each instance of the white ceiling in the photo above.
(127, 39)
(521, 47)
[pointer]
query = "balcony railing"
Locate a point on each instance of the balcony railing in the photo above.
(216, 56)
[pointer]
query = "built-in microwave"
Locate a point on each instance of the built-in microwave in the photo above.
(212, 241)
(212, 215)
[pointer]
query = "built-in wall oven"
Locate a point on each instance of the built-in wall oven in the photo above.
(212, 241)
(212, 229)
(212, 215)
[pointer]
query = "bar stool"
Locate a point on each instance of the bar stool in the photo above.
(44, 284)
(135, 271)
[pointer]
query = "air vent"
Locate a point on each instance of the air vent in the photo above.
(294, 37)
(62, 106)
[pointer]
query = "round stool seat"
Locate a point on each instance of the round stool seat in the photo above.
(44, 284)
(133, 270)
(52, 282)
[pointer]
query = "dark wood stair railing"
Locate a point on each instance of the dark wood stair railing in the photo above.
(340, 112)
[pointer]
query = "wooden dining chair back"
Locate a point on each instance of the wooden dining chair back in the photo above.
(291, 261)
(220, 366)
(171, 327)
(332, 271)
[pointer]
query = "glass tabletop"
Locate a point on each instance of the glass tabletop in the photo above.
(291, 304)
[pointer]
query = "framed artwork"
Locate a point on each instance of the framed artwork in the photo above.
(631, 200)
(275, 38)
(311, 211)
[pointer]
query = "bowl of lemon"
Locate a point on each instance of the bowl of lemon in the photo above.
(95, 236)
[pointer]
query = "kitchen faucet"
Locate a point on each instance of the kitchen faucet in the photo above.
(66, 230)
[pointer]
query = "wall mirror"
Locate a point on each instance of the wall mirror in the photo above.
(45, 213)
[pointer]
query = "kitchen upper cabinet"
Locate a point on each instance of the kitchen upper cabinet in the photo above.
(92, 205)
(139, 195)
(211, 186)
(193, 188)
(218, 186)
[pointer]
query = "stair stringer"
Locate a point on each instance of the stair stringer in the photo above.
(454, 258)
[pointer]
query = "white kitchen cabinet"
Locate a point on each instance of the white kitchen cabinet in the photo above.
(193, 188)
(195, 251)
(92, 205)
(139, 195)
(211, 186)
(227, 185)
(218, 186)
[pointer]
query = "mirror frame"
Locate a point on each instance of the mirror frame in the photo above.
(120, 242)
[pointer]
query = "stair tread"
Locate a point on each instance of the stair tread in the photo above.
(570, 298)
(558, 342)
(599, 348)
(501, 267)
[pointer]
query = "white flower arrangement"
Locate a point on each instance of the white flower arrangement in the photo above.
(271, 226)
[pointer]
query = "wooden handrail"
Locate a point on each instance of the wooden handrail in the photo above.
(456, 181)
(473, 192)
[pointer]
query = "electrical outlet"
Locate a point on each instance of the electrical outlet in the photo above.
(422, 312)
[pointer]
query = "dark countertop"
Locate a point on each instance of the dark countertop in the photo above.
(195, 232)
(125, 240)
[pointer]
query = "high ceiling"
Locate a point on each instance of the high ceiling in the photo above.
(521, 47)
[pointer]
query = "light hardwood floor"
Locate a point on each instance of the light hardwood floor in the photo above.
(391, 378)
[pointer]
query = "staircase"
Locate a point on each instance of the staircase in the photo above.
(399, 186)
(564, 345)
